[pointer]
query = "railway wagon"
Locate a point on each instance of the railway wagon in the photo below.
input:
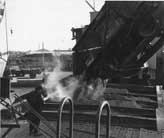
(121, 38)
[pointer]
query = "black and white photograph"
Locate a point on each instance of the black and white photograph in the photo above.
(81, 69)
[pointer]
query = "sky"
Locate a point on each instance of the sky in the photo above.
(48, 21)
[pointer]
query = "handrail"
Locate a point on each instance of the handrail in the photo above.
(30, 108)
(60, 117)
(104, 104)
(8, 106)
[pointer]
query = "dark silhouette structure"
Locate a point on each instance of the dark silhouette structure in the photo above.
(121, 38)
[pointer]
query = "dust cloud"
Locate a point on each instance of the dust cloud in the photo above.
(59, 85)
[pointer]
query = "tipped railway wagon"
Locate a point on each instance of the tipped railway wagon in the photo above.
(121, 38)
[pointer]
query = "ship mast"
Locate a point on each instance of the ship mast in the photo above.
(6, 28)
(3, 57)
(43, 55)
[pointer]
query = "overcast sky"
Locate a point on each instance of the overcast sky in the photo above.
(50, 21)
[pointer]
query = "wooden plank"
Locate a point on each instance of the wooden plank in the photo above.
(125, 131)
(143, 133)
(134, 88)
(156, 134)
(116, 131)
(113, 133)
(154, 97)
(129, 133)
(122, 133)
(153, 134)
(149, 134)
(121, 120)
(135, 133)
(144, 112)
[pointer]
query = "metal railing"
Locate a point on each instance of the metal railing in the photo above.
(59, 134)
(104, 104)
(8, 106)
(33, 111)
(43, 120)
(61, 106)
